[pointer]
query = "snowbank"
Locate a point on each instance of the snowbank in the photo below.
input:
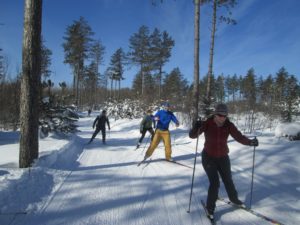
(287, 129)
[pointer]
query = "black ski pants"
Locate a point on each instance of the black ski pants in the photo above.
(103, 131)
(213, 168)
(144, 133)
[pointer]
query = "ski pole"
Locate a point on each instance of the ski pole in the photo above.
(193, 173)
(252, 176)
(174, 136)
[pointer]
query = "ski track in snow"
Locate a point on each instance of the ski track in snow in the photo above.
(105, 186)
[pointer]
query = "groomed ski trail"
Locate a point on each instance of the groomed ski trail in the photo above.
(106, 187)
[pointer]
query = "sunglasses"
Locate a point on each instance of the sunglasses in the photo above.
(223, 116)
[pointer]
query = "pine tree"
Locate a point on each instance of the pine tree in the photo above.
(160, 50)
(249, 89)
(266, 88)
(2, 80)
(232, 86)
(220, 88)
(137, 85)
(280, 85)
(93, 76)
(286, 95)
(63, 87)
(291, 98)
(117, 63)
(148, 96)
(96, 53)
(139, 53)
(206, 103)
(1, 66)
(46, 54)
(104, 81)
(175, 88)
(78, 40)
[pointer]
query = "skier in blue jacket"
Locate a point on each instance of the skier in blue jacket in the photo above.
(163, 118)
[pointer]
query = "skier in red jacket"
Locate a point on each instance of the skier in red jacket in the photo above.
(215, 159)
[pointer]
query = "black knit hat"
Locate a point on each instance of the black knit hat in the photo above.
(221, 109)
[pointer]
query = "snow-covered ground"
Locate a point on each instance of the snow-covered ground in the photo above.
(95, 184)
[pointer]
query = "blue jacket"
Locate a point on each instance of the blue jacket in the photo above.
(164, 119)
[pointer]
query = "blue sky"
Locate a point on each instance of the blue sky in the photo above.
(266, 36)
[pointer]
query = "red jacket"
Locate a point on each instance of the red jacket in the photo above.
(216, 137)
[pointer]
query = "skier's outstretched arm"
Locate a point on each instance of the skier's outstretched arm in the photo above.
(95, 121)
(107, 121)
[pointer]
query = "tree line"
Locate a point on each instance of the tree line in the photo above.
(275, 95)
(149, 51)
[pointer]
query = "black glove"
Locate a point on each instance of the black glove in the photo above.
(141, 131)
(197, 123)
(254, 142)
(93, 127)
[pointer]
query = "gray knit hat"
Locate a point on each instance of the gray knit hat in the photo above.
(221, 109)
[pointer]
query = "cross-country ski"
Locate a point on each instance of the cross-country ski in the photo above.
(256, 213)
(179, 163)
(209, 216)
(163, 160)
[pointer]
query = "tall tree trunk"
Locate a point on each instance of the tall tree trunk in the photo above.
(160, 78)
(76, 84)
(106, 88)
(94, 94)
(111, 88)
(196, 60)
(115, 89)
(81, 96)
(74, 81)
(31, 79)
(211, 56)
(80, 85)
(119, 89)
(143, 80)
